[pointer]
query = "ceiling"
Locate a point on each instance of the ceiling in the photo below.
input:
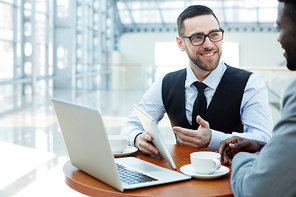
(161, 15)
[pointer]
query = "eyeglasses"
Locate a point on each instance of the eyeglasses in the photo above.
(199, 39)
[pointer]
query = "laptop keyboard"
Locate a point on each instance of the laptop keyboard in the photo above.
(130, 176)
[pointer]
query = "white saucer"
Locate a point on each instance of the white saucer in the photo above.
(188, 170)
(126, 152)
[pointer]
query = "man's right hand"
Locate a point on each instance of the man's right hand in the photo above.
(144, 144)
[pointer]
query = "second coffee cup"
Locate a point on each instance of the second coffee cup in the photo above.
(205, 162)
(118, 143)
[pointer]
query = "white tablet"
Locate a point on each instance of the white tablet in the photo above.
(151, 128)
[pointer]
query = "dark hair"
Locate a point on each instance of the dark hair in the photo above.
(192, 11)
(290, 10)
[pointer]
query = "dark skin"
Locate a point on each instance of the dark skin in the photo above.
(230, 147)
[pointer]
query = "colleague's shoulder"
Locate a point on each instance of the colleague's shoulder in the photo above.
(290, 94)
(292, 86)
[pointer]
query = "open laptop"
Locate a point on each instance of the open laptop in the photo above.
(151, 128)
(89, 150)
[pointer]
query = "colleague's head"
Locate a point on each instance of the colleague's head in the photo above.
(200, 36)
(286, 22)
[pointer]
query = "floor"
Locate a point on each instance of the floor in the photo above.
(31, 145)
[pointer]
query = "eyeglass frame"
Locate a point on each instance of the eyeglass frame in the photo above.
(205, 36)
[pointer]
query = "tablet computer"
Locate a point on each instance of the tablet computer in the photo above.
(151, 128)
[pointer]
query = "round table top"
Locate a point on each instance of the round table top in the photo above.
(86, 184)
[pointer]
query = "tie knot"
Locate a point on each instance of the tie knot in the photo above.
(200, 86)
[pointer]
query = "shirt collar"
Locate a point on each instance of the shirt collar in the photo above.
(212, 79)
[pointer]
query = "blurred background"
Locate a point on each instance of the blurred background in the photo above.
(105, 54)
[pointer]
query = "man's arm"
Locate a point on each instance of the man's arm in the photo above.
(152, 104)
(255, 115)
(273, 171)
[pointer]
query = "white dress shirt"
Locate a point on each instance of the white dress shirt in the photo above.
(255, 112)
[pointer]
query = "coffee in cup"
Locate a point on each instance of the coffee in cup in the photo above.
(205, 162)
(118, 143)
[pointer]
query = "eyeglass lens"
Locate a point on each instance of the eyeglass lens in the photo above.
(214, 37)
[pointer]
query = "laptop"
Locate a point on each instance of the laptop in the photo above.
(89, 150)
(151, 128)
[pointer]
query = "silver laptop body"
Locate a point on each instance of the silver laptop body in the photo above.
(89, 150)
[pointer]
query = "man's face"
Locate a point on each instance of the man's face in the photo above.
(206, 56)
(287, 37)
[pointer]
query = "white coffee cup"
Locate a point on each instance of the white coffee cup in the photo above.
(205, 162)
(118, 143)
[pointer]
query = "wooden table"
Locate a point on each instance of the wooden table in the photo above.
(88, 185)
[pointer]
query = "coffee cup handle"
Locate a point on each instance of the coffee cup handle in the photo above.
(129, 143)
(217, 164)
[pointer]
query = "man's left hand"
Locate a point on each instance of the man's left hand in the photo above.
(199, 138)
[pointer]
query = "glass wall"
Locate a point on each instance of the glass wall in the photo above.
(8, 40)
(67, 43)
(47, 44)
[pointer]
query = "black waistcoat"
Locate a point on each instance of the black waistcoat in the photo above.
(223, 113)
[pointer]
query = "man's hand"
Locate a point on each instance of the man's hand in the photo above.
(230, 147)
(144, 144)
(199, 138)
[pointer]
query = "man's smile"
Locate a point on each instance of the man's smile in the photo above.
(208, 55)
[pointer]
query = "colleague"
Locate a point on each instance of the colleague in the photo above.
(272, 171)
(235, 101)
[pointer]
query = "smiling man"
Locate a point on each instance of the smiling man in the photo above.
(208, 101)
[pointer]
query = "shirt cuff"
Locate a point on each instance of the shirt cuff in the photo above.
(133, 136)
(216, 139)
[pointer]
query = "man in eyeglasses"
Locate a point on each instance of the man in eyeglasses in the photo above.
(208, 101)
(270, 170)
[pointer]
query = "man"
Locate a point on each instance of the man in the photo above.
(234, 101)
(272, 171)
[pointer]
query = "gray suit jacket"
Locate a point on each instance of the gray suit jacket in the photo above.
(273, 171)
